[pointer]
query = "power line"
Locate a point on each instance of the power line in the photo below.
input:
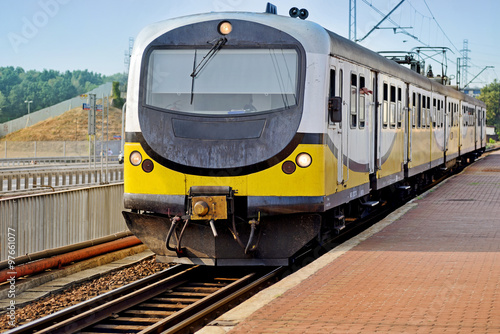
(403, 30)
(425, 2)
(418, 18)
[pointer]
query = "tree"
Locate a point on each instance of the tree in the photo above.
(2, 106)
(2, 100)
(46, 88)
(116, 95)
(490, 95)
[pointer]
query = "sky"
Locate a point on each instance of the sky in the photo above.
(94, 34)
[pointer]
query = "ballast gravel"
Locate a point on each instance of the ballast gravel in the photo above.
(82, 292)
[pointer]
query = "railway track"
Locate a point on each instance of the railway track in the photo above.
(178, 299)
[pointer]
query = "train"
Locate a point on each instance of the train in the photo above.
(251, 135)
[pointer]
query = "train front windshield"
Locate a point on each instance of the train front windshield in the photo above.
(233, 81)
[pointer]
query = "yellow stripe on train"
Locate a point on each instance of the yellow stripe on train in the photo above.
(309, 181)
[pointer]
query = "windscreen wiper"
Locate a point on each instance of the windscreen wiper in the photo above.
(210, 54)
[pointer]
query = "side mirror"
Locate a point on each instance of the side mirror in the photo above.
(335, 109)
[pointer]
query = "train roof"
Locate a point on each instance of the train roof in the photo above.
(353, 52)
(314, 39)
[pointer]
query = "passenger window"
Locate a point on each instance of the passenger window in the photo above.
(439, 119)
(434, 113)
(354, 100)
(424, 112)
(332, 84)
(375, 89)
(385, 111)
(453, 107)
(341, 84)
(452, 115)
(428, 114)
(419, 111)
(393, 106)
(331, 92)
(450, 110)
(413, 109)
(466, 116)
(362, 108)
(399, 108)
(442, 113)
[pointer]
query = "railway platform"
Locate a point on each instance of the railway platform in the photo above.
(433, 266)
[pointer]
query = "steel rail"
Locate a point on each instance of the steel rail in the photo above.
(207, 310)
(105, 311)
(98, 308)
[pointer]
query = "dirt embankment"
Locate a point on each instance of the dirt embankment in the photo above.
(70, 126)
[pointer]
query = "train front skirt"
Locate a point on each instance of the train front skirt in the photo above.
(273, 242)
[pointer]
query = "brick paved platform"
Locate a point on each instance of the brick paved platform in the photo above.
(431, 267)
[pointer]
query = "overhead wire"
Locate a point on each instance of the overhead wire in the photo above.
(444, 33)
(422, 20)
(449, 40)
(439, 26)
(403, 30)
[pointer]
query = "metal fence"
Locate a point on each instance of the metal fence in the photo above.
(37, 222)
(43, 149)
(25, 180)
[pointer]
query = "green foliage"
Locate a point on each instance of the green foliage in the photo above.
(117, 99)
(490, 95)
(44, 88)
(492, 141)
(122, 79)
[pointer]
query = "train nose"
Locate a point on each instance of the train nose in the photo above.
(200, 208)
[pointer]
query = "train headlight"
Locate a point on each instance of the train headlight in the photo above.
(288, 167)
(303, 160)
(148, 166)
(135, 158)
(225, 28)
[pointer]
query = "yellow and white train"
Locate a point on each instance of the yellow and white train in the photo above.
(250, 134)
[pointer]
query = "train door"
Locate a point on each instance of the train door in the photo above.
(404, 115)
(378, 147)
(483, 127)
(447, 124)
(372, 122)
(476, 127)
(410, 118)
(341, 126)
(334, 127)
(375, 124)
(461, 124)
(402, 119)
